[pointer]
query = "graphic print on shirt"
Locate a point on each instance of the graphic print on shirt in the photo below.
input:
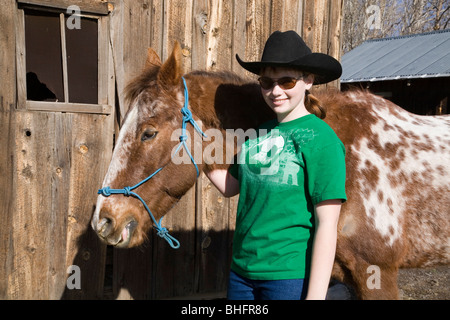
(274, 158)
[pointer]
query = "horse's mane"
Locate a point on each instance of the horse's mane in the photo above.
(141, 83)
(148, 77)
(225, 76)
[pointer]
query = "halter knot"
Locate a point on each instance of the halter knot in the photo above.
(106, 191)
(164, 233)
(183, 137)
(127, 191)
(187, 114)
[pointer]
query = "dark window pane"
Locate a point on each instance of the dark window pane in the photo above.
(43, 57)
(82, 61)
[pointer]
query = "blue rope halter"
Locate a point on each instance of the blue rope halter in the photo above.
(128, 191)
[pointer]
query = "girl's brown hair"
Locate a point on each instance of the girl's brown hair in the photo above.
(313, 105)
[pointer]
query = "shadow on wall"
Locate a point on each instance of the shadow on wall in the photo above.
(156, 271)
(153, 270)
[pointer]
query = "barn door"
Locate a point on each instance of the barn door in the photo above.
(60, 140)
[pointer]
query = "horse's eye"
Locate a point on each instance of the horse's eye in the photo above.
(148, 135)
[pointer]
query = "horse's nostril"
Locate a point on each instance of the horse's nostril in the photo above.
(104, 227)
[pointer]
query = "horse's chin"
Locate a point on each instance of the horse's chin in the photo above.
(126, 234)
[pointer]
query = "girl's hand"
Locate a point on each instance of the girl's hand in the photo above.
(224, 182)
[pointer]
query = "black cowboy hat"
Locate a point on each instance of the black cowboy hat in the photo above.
(287, 49)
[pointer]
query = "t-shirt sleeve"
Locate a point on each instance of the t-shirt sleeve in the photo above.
(325, 169)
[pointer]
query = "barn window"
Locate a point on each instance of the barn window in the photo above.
(62, 60)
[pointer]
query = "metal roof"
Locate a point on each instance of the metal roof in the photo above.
(425, 55)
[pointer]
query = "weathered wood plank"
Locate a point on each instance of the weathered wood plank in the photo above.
(219, 37)
(308, 23)
(56, 227)
(285, 15)
(199, 34)
(104, 71)
(136, 28)
(335, 29)
(19, 24)
(132, 273)
(117, 41)
(7, 123)
(214, 253)
(178, 14)
(30, 250)
(173, 271)
(157, 26)
(321, 24)
(334, 34)
(239, 35)
(69, 107)
(257, 30)
(212, 207)
(90, 156)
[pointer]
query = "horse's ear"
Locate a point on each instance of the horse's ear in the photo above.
(152, 59)
(170, 73)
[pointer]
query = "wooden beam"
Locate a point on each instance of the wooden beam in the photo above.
(86, 6)
(64, 57)
(69, 107)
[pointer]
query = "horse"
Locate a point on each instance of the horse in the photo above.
(398, 168)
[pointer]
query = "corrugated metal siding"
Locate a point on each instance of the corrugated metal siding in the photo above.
(416, 56)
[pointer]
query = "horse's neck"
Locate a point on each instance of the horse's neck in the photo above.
(224, 101)
(232, 103)
(243, 106)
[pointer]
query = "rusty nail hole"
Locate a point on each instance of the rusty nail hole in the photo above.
(86, 255)
(84, 149)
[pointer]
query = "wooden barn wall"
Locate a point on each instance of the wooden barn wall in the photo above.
(52, 163)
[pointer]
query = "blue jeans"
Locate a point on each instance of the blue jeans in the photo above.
(241, 288)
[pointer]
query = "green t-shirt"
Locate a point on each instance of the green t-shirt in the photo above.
(283, 173)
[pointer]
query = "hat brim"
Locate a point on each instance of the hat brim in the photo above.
(324, 67)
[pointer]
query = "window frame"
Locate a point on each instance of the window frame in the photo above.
(105, 99)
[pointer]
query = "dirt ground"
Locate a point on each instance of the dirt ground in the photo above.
(425, 284)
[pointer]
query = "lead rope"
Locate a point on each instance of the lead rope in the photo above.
(128, 191)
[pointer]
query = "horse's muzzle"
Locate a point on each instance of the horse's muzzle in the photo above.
(119, 238)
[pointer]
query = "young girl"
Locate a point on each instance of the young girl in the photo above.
(291, 181)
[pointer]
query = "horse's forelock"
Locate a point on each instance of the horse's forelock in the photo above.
(141, 83)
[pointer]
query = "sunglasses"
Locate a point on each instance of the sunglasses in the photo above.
(285, 83)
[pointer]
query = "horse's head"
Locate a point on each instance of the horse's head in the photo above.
(146, 144)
